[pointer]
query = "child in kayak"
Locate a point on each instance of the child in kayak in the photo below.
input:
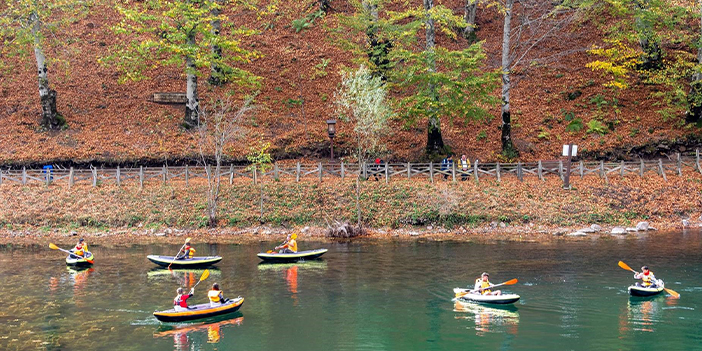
(180, 303)
(216, 296)
(186, 252)
(81, 249)
(483, 283)
(289, 246)
(648, 280)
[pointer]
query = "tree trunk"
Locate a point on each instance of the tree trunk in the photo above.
(507, 145)
(694, 98)
(192, 107)
(378, 49)
(652, 57)
(470, 10)
(358, 200)
(435, 142)
(324, 5)
(50, 118)
(216, 71)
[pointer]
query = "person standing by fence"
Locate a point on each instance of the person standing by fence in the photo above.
(446, 165)
(465, 165)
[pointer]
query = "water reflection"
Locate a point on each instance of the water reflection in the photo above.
(643, 313)
(190, 336)
(290, 270)
(184, 277)
(498, 319)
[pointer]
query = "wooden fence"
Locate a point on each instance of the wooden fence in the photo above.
(320, 171)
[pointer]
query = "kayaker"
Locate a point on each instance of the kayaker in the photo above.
(648, 280)
(290, 245)
(180, 303)
(186, 252)
(81, 248)
(484, 282)
(216, 296)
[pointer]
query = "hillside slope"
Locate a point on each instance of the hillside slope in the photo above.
(110, 122)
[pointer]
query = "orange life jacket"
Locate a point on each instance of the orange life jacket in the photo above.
(646, 278)
(483, 285)
(80, 249)
(214, 295)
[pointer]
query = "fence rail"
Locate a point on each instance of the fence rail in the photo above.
(387, 172)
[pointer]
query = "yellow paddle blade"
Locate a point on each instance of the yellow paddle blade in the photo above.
(672, 292)
(625, 266)
(510, 282)
(187, 240)
(53, 247)
(205, 274)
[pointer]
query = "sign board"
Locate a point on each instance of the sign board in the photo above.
(573, 153)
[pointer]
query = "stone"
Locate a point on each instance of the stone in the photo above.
(160, 234)
(413, 233)
(494, 224)
(630, 229)
(586, 230)
(643, 226)
(685, 223)
(596, 227)
(73, 233)
(430, 228)
(305, 229)
(503, 225)
(577, 234)
(168, 231)
(618, 230)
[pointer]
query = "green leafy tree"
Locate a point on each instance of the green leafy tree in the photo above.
(261, 161)
(362, 101)
(30, 24)
(163, 33)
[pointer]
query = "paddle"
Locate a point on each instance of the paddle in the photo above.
(176, 256)
(672, 292)
(204, 276)
(54, 247)
(509, 282)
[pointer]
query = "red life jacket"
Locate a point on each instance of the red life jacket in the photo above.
(181, 300)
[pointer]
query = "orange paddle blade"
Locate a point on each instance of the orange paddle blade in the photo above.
(510, 282)
(625, 266)
(672, 292)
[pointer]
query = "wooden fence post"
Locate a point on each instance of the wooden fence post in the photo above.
(254, 171)
(343, 171)
(582, 169)
(365, 171)
(47, 176)
(560, 170)
(679, 164)
(141, 177)
(24, 176)
(231, 174)
(119, 179)
(641, 168)
(0, 176)
(187, 175)
(453, 171)
(497, 171)
(602, 171)
(475, 171)
(275, 172)
(519, 171)
(70, 178)
(697, 160)
(409, 170)
(621, 169)
(540, 170)
(94, 176)
(297, 173)
(386, 173)
(431, 171)
(660, 169)
(320, 172)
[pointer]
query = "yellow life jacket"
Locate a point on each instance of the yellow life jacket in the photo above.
(646, 278)
(483, 285)
(190, 250)
(80, 249)
(214, 295)
(292, 245)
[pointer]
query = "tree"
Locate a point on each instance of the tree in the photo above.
(362, 101)
(170, 32)
(261, 161)
(471, 9)
(694, 99)
(28, 23)
(217, 127)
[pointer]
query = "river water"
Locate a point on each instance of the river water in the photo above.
(362, 296)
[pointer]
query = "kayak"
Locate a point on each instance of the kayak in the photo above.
(635, 290)
(292, 257)
(77, 261)
(199, 311)
(165, 261)
(489, 299)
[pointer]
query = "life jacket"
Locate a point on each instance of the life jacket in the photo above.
(465, 164)
(80, 249)
(292, 245)
(188, 250)
(483, 285)
(646, 278)
(181, 300)
(214, 295)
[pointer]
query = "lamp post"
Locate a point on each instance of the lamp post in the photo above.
(331, 128)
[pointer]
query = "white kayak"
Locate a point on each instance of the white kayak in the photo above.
(636, 290)
(490, 299)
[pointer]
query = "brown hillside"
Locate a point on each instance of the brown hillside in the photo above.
(112, 122)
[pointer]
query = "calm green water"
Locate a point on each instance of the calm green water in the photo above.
(363, 297)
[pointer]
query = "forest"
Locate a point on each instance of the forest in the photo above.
(407, 80)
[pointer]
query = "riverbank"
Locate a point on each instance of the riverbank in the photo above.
(507, 210)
